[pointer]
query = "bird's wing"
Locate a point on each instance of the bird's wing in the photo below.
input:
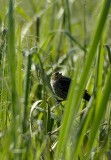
(64, 84)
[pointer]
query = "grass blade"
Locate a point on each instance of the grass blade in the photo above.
(74, 101)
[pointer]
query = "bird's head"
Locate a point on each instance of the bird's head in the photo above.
(56, 75)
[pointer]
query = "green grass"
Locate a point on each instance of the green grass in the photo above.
(36, 39)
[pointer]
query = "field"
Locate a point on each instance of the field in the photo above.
(38, 38)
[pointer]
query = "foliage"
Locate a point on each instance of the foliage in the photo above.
(38, 38)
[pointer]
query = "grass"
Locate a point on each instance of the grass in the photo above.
(36, 40)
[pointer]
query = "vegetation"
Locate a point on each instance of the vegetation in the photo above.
(38, 38)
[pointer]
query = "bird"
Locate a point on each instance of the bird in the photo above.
(60, 85)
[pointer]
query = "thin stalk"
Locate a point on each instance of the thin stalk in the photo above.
(12, 65)
(26, 92)
(37, 29)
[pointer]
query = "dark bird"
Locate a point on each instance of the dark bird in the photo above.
(60, 85)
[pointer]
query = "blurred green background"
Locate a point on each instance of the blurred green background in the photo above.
(38, 38)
